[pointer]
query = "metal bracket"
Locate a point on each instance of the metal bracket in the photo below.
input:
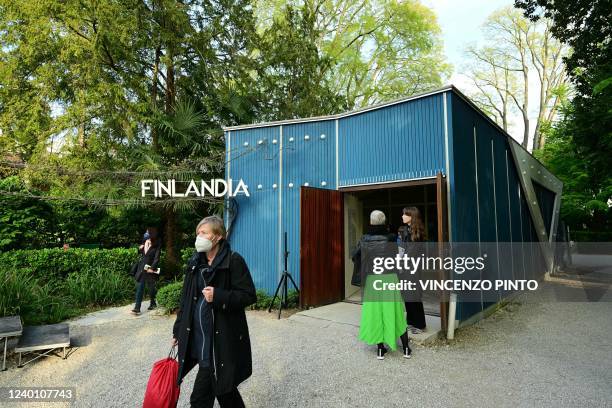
(529, 170)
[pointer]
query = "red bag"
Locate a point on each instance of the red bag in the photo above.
(162, 391)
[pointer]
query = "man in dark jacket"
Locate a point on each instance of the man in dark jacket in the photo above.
(211, 328)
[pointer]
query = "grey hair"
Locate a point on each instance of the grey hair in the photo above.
(377, 217)
(215, 222)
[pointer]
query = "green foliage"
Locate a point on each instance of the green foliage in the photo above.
(370, 51)
(585, 204)
(293, 71)
(169, 296)
(24, 222)
(51, 285)
(264, 300)
(36, 301)
(580, 144)
(55, 263)
(97, 285)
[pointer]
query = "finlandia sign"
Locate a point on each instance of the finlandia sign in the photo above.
(212, 188)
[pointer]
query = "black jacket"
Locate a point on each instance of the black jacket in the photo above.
(412, 249)
(374, 243)
(234, 291)
(150, 258)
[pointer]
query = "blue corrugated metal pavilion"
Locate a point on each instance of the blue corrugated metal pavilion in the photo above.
(494, 190)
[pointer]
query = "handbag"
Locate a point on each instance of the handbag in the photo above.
(162, 390)
(134, 268)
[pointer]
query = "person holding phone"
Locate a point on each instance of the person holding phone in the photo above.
(146, 272)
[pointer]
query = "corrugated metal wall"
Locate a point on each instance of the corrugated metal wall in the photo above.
(308, 156)
(403, 141)
(255, 234)
(487, 201)
(399, 142)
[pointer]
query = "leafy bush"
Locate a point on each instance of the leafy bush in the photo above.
(21, 293)
(263, 300)
(51, 285)
(24, 221)
(99, 286)
(169, 296)
(55, 263)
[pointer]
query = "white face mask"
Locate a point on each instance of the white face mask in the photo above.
(203, 244)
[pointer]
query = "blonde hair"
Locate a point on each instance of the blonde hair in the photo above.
(216, 224)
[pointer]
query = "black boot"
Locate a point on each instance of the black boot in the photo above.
(405, 346)
(382, 350)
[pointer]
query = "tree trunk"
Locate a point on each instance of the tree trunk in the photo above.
(172, 258)
(170, 87)
(154, 134)
(525, 108)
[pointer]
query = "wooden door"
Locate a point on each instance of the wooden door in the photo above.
(321, 246)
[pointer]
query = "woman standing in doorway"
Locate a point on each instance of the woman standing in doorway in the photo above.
(382, 314)
(411, 232)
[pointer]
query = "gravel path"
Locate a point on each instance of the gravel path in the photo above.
(530, 354)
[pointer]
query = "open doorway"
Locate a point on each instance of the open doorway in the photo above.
(390, 199)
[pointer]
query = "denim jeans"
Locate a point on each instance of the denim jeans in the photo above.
(140, 287)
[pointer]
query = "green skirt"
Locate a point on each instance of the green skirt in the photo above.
(382, 321)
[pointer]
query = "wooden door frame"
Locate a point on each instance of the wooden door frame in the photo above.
(442, 216)
(441, 207)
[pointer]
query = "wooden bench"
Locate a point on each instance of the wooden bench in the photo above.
(43, 341)
(10, 326)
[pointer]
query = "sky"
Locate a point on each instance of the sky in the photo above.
(461, 21)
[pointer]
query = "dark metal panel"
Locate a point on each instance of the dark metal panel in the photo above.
(546, 202)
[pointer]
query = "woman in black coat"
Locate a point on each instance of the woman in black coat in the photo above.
(211, 327)
(411, 232)
(150, 251)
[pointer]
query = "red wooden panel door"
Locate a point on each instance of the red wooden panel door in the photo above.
(321, 246)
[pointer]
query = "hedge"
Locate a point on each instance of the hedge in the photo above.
(51, 285)
(169, 298)
(55, 263)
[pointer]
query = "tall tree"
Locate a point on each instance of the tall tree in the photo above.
(292, 73)
(379, 49)
(583, 137)
(113, 85)
(517, 48)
